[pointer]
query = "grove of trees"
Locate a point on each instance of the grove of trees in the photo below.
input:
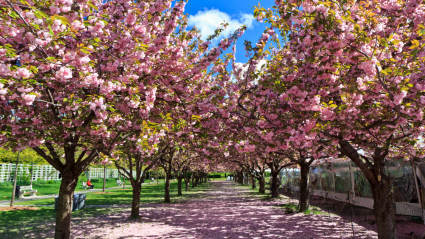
(128, 81)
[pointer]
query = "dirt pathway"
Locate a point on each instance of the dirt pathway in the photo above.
(225, 212)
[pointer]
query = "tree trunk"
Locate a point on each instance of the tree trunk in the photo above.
(135, 203)
(15, 179)
(193, 181)
(197, 180)
(167, 188)
(64, 210)
(274, 185)
(384, 209)
(240, 177)
(186, 182)
(303, 203)
(262, 183)
(253, 184)
(381, 184)
(179, 185)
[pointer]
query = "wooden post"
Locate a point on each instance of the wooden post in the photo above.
(32, 172)
(14, 181)
(104, 177)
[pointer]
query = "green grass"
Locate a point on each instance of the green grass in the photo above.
(150, 193)
(52, 187)
(292, 208)
(255, 193)
(32, 224)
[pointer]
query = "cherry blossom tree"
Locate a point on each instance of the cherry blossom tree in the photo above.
(356, 68)
(135, 156)
(71, 69)
(181, 168)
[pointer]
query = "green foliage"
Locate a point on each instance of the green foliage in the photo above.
(26, 156)
(292, 208)
(216, 175)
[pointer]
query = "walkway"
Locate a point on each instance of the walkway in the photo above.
(227, 211)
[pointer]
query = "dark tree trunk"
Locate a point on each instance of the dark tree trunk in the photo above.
(167, 188)
(179, 185)
(262, 185)
(384, 209)
(239, 177)
(253, 184)
(193, 181)
(135, 204)
(186, 182)
(303, 203)
(274, 185)
(64, 210)
(381, 184)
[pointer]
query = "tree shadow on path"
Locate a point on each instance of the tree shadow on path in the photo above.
(226, 212)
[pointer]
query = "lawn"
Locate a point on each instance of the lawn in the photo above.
(32, 223)
(150, 193)
(52, 187)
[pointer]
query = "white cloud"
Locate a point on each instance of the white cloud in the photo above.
(208, 21)
(243, 67)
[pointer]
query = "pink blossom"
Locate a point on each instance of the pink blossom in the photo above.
(28, 98)
(64, 73)
(54, 10)
(84, 60)
(398, 98)
(23, 73)
(77, 25)
(3, 91)
(130, 19)
(327, 114)
(273, 116)
(4, 70)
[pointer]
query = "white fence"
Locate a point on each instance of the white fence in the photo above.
(46, 172)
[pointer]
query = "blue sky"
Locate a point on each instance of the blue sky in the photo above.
(207, 15)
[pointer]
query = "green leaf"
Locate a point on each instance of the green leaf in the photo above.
(85, 50)
(51, 59)
(196, 117)
(63, 19)
(40, 14)
(13, 14)
(51, 30)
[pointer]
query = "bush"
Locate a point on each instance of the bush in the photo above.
(216, 175)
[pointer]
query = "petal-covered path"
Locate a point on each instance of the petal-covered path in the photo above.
(226, 211)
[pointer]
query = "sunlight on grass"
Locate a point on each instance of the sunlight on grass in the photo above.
(17, 224)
